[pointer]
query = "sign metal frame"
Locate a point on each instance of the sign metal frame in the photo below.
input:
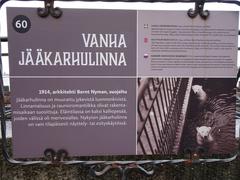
(59, 156)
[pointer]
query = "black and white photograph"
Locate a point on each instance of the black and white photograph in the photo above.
(180, 114)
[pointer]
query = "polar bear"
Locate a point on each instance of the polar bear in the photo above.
(204, 135)
(200, 93)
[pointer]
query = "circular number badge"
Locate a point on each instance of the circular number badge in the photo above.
(21, 24)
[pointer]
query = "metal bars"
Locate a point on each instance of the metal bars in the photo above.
(160, 102)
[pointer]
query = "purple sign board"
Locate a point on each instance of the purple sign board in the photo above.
(121, 82)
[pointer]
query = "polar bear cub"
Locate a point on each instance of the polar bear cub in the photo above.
(204, 135)
(201, 94)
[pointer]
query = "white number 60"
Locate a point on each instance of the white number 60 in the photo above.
(21, 24)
